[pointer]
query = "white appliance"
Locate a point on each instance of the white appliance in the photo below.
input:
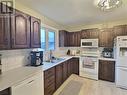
(89, 43)
(89, 65)
(120, 48)
(30, 86)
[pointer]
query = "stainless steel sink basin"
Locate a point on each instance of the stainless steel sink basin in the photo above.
(55, 60)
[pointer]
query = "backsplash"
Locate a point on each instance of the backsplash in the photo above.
(14, 58)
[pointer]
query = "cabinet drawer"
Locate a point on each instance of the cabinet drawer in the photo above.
(49, 81)
(50, 89)
(49, 73)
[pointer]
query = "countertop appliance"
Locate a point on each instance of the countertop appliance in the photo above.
(36, 58)
(120, 48)
(107, 53)
(89, 65)
(89, 43)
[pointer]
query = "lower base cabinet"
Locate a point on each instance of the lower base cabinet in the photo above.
(107, 70)
(6, 92)
(49, 81)
(59, 75)
(54, 77)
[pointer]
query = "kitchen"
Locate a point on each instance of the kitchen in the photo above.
(38, 56)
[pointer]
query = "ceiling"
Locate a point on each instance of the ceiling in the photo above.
(75, 12)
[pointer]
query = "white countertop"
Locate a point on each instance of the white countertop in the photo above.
(107, 59)
(48, 65)
(12, 77)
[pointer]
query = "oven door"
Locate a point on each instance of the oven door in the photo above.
(89, 65)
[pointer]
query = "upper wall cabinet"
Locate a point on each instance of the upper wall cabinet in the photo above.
(90, 33)
(5, 32)
(74, 39)
(20, 33)
(35, 33)
(120, 30)
(106, 38)
(63, 38)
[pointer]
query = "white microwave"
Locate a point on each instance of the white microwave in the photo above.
(89, 43)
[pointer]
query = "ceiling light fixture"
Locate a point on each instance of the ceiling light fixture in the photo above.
(106, 5)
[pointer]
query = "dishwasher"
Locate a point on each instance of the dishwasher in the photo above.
(30, 86)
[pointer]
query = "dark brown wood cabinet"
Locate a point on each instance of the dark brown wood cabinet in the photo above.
(69, 39)
(54, 77)
(20, 30)
(59, 75)
(65, 71)
(5, 32)
(63, 39)
(73, 66)
(75, 62)
(90, 33)
(106, 38)
(77, 39)
(49, 81)
(107, 70)
(120, 30)
(6, 92)
(35, 33)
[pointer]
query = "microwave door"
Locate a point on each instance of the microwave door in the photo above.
(86, 43)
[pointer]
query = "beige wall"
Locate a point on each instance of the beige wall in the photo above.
(99, 25)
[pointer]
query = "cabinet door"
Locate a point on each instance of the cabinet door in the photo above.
(90, 33)
(77, 39)
(71, 39)
(5, 32)
(107, 70)
(20, 33)
(59, 75)
(106, 38)
(94, 33)
(85, 34)
(75, 66)
(62, 38)
(69, 68)
(35, 33)
(65, 73)
(49, 81)
(120, 30)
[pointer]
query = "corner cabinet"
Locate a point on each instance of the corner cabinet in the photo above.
(63, 39)
(35, 33)
(20, 33)
(55, 76)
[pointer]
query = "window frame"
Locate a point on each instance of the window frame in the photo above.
(45, 38)
(51, 30)
(47, 30)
